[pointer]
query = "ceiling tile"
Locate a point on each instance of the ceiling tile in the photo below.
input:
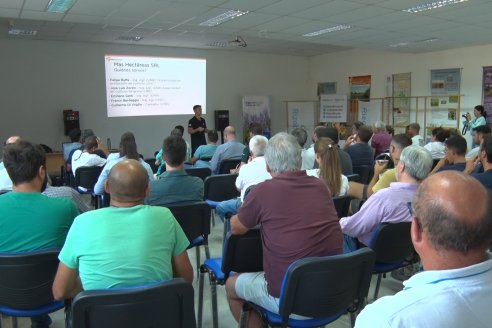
(250, 5)
(41, 15)
(329, 9)
(288, 7)
(9, 13)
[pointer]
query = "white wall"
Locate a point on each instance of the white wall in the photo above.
(338, 67)
(41, 78)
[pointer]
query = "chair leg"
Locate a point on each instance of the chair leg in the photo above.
(207, 252)
(200, 299)
(197, 250)
(378, 284)
(215, 315)
(352, 319)
(14, 322)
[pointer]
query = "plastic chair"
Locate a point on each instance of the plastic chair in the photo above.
(241, 253)
(342, 205)
(194, 219)
(353, 177)
(201, 172)
(321, 288)
(165, 304)
(151, 162)
(86, 177)
(393, 246)
(227, 165)
(365, 172)
(220, 187)
(25, 284)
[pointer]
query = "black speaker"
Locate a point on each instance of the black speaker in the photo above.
(221, 119)
(70, 120)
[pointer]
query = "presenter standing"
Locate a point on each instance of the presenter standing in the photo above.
(197, 129)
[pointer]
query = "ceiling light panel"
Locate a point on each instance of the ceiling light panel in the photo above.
(224, 17)
(432, 5)
(59, 6)
(328, 30)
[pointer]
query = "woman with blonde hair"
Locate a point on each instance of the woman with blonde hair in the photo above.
(329, 167)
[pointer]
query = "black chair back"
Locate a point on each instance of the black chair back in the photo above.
(167, 304)
(326, 286)
(26, 278)
(392, 242)
(201, 172)
(220, 187)
(434, 162)
(86, 177)
(365, 172)
(151, 162)
(228, 164)
(243, 253)
(194, 218)
(353, 177)
(342, 205)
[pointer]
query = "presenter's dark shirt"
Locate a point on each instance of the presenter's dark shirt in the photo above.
(198, 138)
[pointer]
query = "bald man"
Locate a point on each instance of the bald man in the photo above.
(127, 244)
(452, 238)
(230, 149)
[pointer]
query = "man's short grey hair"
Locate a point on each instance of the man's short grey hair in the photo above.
(418, 162)
(257, 145)
(283, 153)
(301, 136)
(379, 125)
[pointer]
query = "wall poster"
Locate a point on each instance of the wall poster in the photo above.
(487, 92)
(401, 98)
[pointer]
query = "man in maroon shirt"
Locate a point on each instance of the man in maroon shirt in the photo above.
(298, 219)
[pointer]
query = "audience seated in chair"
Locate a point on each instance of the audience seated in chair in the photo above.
(287, 227)
(128, 150)
(390, 204)
(29, 220)
(174, 185)
(103, 153)
(127, 244)
(436, 146)
(231, 148)
(451, 238)
(5, 181)
(345, 160)
(329, 170)
(87, 156)
(360, 153)
(204, 153)
(254, 129)
(484, 158)
(477, 136)
(455, 155)
(381, 139)
(413, 131)
(309, 157)
(250, 174)
(382, 177)
(178, 131)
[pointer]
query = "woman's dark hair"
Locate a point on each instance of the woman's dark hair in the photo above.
(128, 146)
(482, 111)
(440, 133)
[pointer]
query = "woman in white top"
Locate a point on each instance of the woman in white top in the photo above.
(436, 146)
(329, 167)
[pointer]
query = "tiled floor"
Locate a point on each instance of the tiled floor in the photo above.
(389, 286)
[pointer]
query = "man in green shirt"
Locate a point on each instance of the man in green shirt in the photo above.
(127, 244)
(31, 221)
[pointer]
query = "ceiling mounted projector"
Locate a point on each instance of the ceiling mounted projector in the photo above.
(238, 42)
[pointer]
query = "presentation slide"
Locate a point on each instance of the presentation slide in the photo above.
(142, 85)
